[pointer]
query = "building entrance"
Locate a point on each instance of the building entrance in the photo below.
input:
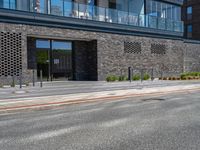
(54, 58)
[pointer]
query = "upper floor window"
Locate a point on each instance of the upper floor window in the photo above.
(189, 13)
(189, 10)
(10, 4)
(163, 10)
(189, 31)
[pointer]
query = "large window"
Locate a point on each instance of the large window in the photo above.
(57, 7)
(41, 6)
(23, 5)
(163, 10)
(136, 6)
(68, 8)
(10, 4)
(154, 13)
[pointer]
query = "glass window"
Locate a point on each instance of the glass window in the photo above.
(23, 5)
(189, 10)
(178, 12)
(61, 45)
(136, 9)
(90, 7)
(6, 3)
(41, 6)
(163, 10)
(42, 44)
(189, 29)
(68, 8)
(10, 4)
(151, 8)
(169, 11)
(57, 7)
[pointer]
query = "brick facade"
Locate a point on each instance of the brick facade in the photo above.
(192, 57)
(100, 54)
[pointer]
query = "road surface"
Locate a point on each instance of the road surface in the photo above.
(170, 122)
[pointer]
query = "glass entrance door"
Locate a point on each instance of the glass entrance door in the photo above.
(61, 60)
(54, 58)
(43, 58)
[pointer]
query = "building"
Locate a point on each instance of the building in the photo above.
(91, 39)
(191, 12)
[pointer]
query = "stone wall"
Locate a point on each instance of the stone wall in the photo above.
(113, 59)
(107, 50)
(192, 57)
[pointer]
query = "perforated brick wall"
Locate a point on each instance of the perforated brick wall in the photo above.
(159, 49)
(10, 54)
(132, 47)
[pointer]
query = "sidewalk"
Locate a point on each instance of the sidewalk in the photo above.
(97, 91)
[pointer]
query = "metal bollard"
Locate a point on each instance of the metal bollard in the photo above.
(20, 79)
(152, 77)
(130, 74)
(41, 78)
(13, 80)
(141, 75)
(161, 74)
(33, 77)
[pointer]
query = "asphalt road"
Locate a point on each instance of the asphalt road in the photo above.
(170, 122)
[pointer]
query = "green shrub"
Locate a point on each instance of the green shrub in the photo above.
(27, 83)
(146, 76)
(183, 76)
(123, 78)
(189, 75)
(1, 85)
(111, 78)
(136, 77)
(12, 84)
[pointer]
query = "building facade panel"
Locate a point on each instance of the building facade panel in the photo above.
(102, 54)
(192, 57)
(89, 40)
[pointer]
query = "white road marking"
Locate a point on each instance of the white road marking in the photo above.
(51, 134)
(114, 123)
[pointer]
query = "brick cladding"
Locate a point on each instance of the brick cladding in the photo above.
(104, 53)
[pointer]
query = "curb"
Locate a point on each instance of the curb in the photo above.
(89, 100)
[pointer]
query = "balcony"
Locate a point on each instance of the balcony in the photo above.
(100, 14)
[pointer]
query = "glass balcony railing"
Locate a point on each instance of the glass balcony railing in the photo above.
(90, 12)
